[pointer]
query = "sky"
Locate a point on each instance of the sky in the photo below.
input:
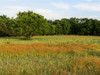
(53, 9)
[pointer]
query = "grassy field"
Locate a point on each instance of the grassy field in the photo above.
(50, 55)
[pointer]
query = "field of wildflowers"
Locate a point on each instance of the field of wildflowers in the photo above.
(50, 55)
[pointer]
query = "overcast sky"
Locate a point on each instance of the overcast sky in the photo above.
(53, 9)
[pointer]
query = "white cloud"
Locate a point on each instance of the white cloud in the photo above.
(11, 11)
(89, 0)
(12, 0)
(88, 16)
(61, 5)
(94, 16)
(88, 7)
(49, 14)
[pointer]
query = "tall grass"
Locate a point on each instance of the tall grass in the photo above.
(50, 55)
(52, 39)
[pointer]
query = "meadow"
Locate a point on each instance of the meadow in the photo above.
(50, 55)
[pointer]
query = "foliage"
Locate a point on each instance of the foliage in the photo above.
(29, 23)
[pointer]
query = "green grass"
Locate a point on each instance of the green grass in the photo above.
(52, 39)
(49, 55)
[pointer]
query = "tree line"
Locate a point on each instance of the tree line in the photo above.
(30, 23)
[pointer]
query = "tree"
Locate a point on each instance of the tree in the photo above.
(65, 26)
(75, 26)
(52, 29)
(58, 29)
(3, 29)
(31, 23)
(86, 26)
(5, 26)
(96, 27)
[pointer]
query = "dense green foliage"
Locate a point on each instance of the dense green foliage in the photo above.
(30, 23)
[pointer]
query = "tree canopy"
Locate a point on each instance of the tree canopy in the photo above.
(29, 23)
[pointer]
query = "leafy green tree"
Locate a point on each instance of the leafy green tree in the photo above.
(52, 29)
(75, 26)
(65, 26)
(3, 29)
(96, 27)
(5, 25)
(86, 26)
(58, 29)
(31, 23)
